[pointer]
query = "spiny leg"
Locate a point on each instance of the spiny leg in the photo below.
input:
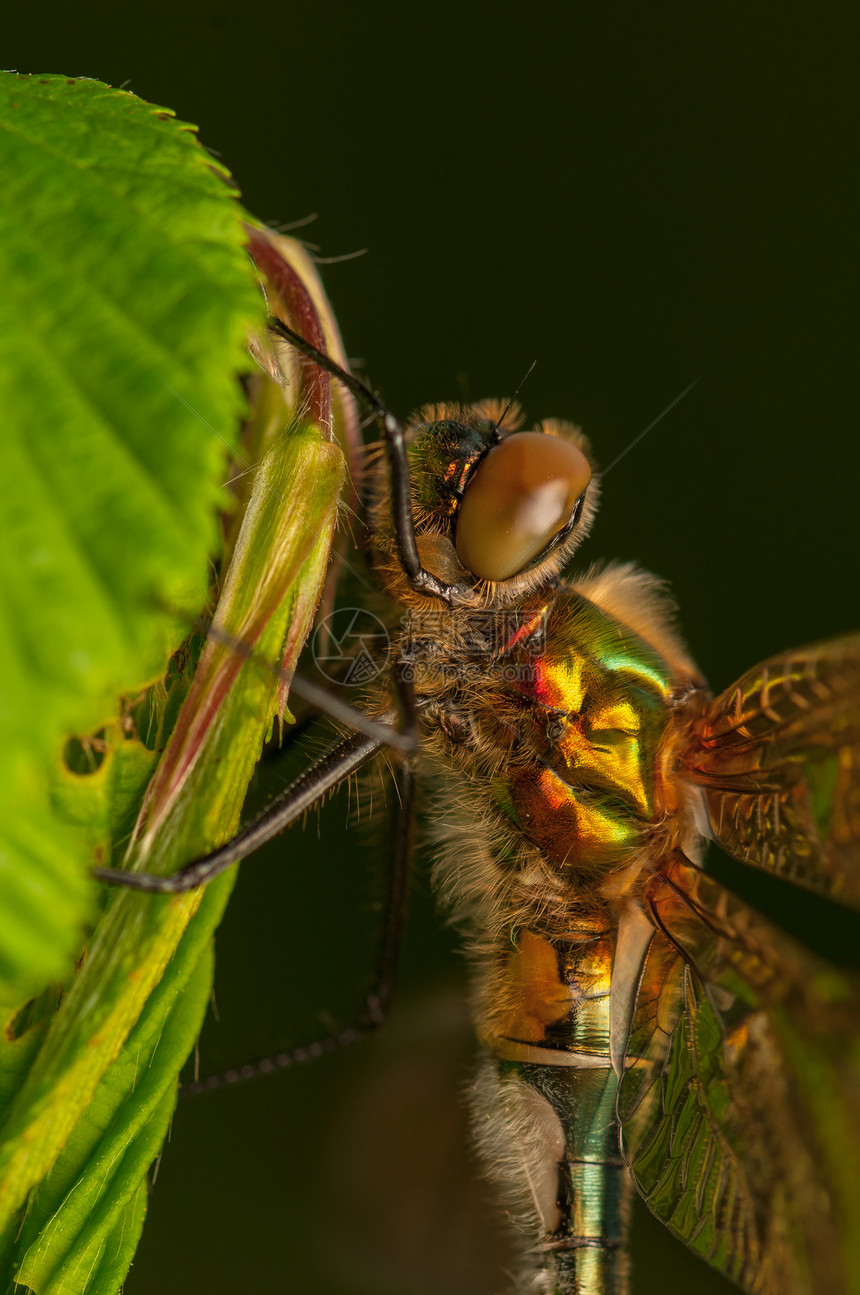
(325, 701)
(396, 891)
(420, 579)
(315, 783)
(381, 991)
(310, 787)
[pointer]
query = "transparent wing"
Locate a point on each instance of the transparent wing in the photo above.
(740, 1104)
(778, 756)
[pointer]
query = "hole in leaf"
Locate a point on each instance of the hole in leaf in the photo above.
(85, 755)
(33, 1013)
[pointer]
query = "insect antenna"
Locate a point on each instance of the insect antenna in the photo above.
(517, 390)
(645, 430)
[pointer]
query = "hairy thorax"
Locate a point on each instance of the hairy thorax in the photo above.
(564, 717)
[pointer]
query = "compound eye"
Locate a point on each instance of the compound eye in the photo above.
(519, 497)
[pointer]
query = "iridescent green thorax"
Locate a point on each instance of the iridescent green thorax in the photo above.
(596, 710)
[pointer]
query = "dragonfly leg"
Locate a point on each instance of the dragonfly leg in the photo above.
(381, 991)
(322, 699)
(421, 580)
(397, 881)
(310, 787)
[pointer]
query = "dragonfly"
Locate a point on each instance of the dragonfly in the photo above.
(643, 1030)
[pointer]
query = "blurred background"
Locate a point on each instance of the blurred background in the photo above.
(634, 197)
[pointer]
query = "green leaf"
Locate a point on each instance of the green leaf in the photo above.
(95, 1217)
(130, 304)
(127, 299)
(67, 1121)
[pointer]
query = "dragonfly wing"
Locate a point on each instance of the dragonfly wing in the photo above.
(778, 756)
(740, 1102)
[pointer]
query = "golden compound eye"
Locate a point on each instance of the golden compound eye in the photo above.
(521, 494)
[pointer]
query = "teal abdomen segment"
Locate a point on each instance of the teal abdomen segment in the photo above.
(553, 1047)
(583, 1245)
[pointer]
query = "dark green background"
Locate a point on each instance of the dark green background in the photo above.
(633, 196)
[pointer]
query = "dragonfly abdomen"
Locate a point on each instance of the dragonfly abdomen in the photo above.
(555, 1145)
